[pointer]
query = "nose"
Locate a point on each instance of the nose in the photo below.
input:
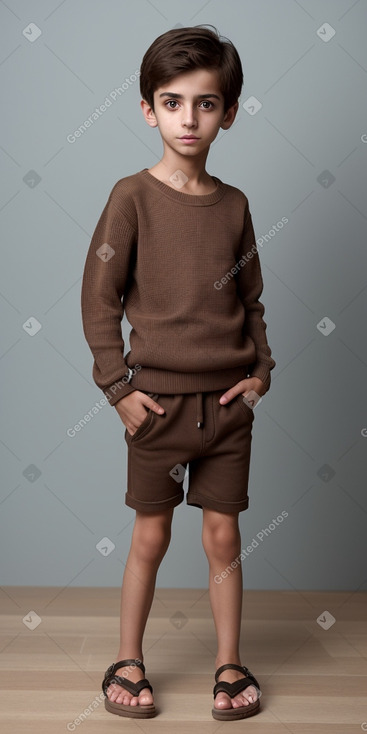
(189, 116)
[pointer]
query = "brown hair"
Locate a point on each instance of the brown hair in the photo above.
(186, 49)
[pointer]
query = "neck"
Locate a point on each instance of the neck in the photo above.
(193, 167)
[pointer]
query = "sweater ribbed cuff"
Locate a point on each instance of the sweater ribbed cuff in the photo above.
(117, 391)
(262, 372)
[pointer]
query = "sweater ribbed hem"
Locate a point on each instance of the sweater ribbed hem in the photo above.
(172, 383)
(165, 382)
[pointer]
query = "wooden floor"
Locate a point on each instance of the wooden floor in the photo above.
(313, 679)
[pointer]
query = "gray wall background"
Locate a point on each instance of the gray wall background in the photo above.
(301, 156)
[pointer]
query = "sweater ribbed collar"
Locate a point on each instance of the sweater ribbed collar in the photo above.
(179, 196)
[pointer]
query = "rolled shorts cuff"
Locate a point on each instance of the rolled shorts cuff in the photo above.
(159, 506)
(200, 500)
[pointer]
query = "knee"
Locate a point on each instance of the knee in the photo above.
(221, 540)
(151, 539)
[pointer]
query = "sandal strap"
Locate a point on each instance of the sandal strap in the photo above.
(133, 688)
(230, 666)
(130, 661)
(233, 689)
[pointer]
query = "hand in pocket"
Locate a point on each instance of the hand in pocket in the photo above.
(133, 409)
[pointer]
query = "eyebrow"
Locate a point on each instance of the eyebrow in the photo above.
(180, 96)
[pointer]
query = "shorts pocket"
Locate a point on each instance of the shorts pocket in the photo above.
(145, 424)
(244, 407)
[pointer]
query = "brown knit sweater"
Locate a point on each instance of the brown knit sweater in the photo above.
(186, 271)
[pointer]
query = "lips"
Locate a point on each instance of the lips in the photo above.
(189, 137)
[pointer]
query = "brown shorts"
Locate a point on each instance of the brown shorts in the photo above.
(213, 440)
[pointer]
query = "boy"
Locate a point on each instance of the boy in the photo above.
(178, 245)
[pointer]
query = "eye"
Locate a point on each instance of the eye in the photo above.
(171, 102)
(207, 102)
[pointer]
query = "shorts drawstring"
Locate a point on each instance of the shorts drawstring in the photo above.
(199, 409)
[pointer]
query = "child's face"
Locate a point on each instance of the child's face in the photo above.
(189, 104)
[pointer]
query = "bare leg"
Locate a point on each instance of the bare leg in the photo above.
(150, 540)
(222, 545)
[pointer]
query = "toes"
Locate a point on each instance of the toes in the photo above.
(113, 692)
(222, 701)
(249, 695)
(116, 694)
(145, 697)
(123, 697)
(239, 701)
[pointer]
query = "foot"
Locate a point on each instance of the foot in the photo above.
(223, 701)
(118, 694)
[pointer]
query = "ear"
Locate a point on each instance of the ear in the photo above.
(229, 117)
(148, 113)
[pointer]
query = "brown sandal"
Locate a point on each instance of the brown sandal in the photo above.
(134, 712)
(232, 690)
